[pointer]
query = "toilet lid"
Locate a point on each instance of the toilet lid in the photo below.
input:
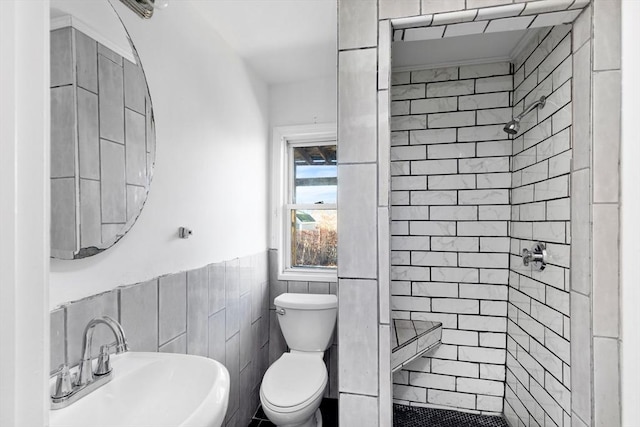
(293, 379)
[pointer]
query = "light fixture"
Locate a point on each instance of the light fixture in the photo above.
(144, 8)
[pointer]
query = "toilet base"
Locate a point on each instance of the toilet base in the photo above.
(314, 421)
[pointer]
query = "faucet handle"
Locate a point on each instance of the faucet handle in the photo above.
(64, 385)
(104, 363)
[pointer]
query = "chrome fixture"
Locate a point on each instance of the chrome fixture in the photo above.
(67, 389)
(513, 126)
(537, 256)
(144, 8)
(184, 232)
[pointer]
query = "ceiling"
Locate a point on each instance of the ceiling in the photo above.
(282, 40)
(477, 48)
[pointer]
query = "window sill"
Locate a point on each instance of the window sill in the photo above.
(308, 275)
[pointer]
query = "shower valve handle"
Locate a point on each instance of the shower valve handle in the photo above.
(537, 256)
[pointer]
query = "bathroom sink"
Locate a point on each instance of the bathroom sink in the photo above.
(153, 389)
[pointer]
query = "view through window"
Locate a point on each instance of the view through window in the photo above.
(312, 205)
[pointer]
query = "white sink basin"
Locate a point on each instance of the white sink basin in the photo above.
(155, 390)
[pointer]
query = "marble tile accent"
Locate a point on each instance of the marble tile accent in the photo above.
(78, 314)
(134, 87)
(606, 35)
(357, 82)
(136, 158)
(395, 9)
(144, 314)
(423, 33)
(197, 311)
(232, 297)
(111, 103)
(135, 200)
(605, 270)
(217, 300)
(88, 135)
(358, 409)
(172, 307)
(63, 135)
(113, 189)
(509, 24)
(63, 225)
(86, 62)
(216, 339)
(61, 57)
(139, 315)
(606, 381)
(357, 24)
(358, 337)
(606, 135)
(464, 29)
(357, 254)
(57, 336)
(177, 345)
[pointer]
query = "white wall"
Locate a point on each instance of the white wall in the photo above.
(24, 191)
(304, 102)
(630, 210)
(211, 164)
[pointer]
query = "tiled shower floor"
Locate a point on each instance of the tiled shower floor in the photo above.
(403, 416)
(412, 416)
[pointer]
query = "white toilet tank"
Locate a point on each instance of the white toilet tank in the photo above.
(307, 320)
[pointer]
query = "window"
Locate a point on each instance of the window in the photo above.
(304, 225)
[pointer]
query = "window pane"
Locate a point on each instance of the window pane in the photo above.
(315, 174)
(314, 238)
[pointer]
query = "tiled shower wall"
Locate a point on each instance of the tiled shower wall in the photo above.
(277, 343)
(538, 347)
(364, 33)
(450, 182)
(218, 311)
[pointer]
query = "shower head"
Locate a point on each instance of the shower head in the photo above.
(513, 126)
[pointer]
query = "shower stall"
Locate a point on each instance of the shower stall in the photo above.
(480, 187)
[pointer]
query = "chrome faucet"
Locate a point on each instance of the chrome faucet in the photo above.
(68, 391)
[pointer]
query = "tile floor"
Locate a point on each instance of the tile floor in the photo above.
(412, 416)
(328, 408)
(403, 416)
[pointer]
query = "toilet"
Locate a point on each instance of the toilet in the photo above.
(293, 386)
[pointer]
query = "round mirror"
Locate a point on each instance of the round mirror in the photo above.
(102, 129)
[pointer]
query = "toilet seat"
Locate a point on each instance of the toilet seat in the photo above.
(294, 380)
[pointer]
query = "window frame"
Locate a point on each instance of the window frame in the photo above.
(285, 138)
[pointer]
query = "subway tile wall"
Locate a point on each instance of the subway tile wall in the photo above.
(450, 182)
(538, 380)
(220, 311)
(277, 344)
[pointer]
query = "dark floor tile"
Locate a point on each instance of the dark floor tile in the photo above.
(411, 416)
(329, 411)
(260, 414)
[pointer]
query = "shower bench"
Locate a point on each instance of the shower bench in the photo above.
(410, 339)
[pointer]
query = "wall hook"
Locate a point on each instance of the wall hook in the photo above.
(184, 232)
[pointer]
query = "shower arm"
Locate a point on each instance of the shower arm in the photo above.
(539, 103)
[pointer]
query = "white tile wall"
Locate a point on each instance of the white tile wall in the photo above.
(538, 347)
(184, 313)
(450, 246)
